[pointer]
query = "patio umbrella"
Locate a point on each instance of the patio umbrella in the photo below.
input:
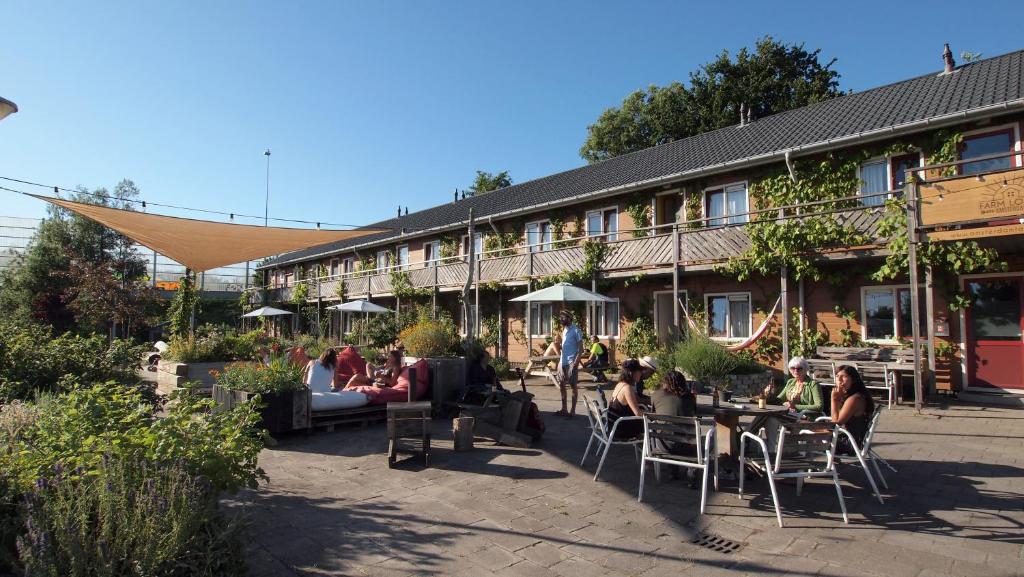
(266, 312)
(562, 292)
(359, 306)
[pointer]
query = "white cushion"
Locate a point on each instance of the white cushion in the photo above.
(330, 401)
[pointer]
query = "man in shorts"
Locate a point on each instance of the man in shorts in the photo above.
(569, 361)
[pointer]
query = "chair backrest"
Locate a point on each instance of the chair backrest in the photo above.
(673, 430)
(598, 418)
(871, 428)
(874, 374)
(601, 398)
(821, 370)
(805, 440)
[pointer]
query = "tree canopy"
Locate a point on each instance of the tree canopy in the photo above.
(773, 78)
(78, 274)
(486, 182)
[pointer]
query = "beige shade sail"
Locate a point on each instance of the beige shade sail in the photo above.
(201, 244)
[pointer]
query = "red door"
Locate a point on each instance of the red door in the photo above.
(995, 333)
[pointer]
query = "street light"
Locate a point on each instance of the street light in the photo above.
(7, 107)
(266, 205)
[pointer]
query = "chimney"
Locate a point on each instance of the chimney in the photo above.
(463, 195)
(399, 212)
(750, 115)
(407, 211)
(947, 59)
(456, 195)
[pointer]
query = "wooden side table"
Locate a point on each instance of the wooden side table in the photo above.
(410, 421)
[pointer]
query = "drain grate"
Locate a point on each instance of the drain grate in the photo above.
(716, 543)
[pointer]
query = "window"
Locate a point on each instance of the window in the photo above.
(887, 314)
(984, 144)
(727, 205)
(463, 327)
(288, 279)
(403, 257)
(277, 279)
(538, 236)
(335, 266)
(348, 265)
(540, 319)
(883, 175)
(383, 259)
(431, 252)
(728, 315)
(478, 245)
(603, 319)
(666, 209)
(603, 223)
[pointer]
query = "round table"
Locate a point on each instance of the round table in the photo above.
(727, 417)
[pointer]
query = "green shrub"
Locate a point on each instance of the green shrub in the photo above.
(432, 338)
(379, 331)
(641, 339)
(278, 376)
(129, 519)
(32, 360)
(704, 359)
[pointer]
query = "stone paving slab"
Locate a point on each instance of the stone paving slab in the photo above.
(333, 507)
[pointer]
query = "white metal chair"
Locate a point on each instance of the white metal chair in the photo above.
(877, 376)
(605, 435)
(801, 453)
(683, 436)
(866, 454)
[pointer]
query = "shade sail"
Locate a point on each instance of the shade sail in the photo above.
(360, 306)
(562, 292)
(267, 312)
(201, 244)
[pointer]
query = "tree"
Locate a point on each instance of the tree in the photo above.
(774, 78)
(42, 284)
(486, 182)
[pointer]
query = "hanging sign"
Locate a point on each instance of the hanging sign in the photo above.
(972, 233)
(992, 196)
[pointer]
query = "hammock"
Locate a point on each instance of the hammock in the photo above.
(749, 340)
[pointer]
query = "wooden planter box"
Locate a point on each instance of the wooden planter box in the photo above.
(171, 375)
(282, 412)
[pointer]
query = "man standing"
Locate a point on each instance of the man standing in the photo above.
(569, 362)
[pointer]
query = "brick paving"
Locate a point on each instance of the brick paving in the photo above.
(332, 507)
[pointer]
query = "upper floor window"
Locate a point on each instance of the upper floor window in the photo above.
(287, 281)
(478, 244)
(383, 259)
(881, 176)
(984, 144)
(538, 235)
(603, 224)
(728, 315)
(348, 265)
(431, 253)
(403, 257)
(335, 266)
(727, 205)
(277, 279)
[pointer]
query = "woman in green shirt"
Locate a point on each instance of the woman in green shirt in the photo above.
(801, 394)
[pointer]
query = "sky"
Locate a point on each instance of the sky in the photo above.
(367, 106)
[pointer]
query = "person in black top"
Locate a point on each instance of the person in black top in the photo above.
(675, 398)
(481, 378)
(598, 360)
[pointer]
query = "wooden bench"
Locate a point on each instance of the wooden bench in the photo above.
(538, 367)
(878, 367)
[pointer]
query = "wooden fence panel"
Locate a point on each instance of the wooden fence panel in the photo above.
(421, 277)
(551, 262)
(504, 268)
(639, 252)
(453, 274)
(380, 283)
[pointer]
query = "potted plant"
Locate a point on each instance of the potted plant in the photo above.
(437, 341)
(277, 386)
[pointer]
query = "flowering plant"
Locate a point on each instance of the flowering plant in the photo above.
(277, 376)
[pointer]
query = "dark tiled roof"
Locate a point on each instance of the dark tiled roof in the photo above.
(983, 84)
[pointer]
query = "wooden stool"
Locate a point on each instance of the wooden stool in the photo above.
(409, 421)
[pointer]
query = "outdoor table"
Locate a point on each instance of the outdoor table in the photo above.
(727, 417)
(540, 364)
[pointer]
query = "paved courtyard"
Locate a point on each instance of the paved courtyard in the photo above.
(332, 507)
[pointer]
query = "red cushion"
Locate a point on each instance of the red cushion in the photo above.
(349, 363)
(422, 379)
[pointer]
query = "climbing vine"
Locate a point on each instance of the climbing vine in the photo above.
(638, 207)
(594, 254)
(401, 285)
(694, 209)
(449, 249)
(504, 243)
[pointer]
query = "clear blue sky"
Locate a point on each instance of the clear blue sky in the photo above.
(371, 105)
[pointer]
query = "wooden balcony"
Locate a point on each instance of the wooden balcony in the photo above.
(698, 248)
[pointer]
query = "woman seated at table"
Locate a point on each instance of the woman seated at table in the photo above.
(675, 398)
(852, 406)
(624, 402)
(384, 376)
(801, 395)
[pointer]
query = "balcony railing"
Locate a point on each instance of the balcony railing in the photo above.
(651, 251)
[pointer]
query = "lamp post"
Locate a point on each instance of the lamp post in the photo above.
(266, 205)
(7, 107)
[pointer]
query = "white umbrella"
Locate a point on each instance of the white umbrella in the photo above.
(562, 292)
(267, 312)
(359, 306)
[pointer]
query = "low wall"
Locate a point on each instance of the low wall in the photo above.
(172, 375)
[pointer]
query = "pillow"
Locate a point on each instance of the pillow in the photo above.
(349, 363)
(422, 378)
(331, 401)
